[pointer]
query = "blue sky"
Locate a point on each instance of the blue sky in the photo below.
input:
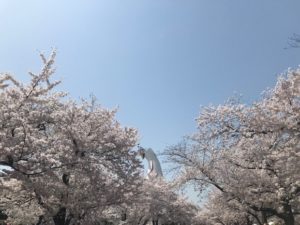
(157, 60)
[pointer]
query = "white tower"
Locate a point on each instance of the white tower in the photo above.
(154, 168)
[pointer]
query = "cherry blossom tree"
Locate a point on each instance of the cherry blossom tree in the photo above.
(249, 153)
(158, 203)
(71, 160)
(219, 211)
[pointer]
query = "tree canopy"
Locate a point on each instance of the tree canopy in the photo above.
(248, 156)
(60, 151)
(70, 162)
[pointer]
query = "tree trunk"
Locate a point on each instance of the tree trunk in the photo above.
(154, 222)
(60, 217)
(264, 218)
(145, 222)
(40, 222)
(289, 218)
(123, 216)
(3, 216)
(249, 221)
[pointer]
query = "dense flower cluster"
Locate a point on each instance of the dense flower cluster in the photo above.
(158, 203)
(72, 163)
(248, 156)
(68, 160)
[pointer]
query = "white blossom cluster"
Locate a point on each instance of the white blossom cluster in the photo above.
(158, 203)
(68, 161)
(248, 157)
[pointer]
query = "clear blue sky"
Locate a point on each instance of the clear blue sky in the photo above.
(158, 60)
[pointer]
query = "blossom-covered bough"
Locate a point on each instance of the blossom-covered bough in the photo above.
(68, 161)
(248, 156)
